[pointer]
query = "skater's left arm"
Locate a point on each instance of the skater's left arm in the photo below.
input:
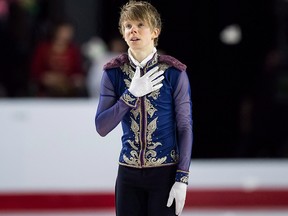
(183, 110)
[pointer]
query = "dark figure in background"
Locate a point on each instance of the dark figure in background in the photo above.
(56, 67)
(16, 41)
(271, 118)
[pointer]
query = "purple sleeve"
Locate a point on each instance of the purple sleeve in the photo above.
(111, 109)
(184, 122)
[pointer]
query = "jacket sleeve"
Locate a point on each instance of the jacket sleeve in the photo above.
(111, 109)
(184, 122)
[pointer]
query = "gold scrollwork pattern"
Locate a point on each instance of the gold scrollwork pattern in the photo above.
(127, 83)
(150, 154)
(155, 94)
(150, 108)
(184, 179)
(174, 156)
(135, 112)
(133, 160)
(136, 129)
(128, 98)
(127, 70)
(132, 144)
(129, 73)
(134, 154)
(153, 145)
(152, 126)
(163, 67)
(151, 159)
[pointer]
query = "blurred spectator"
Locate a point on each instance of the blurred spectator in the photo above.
(99, 53)
(56, 67)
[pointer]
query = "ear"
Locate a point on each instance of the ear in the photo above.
(156, 32)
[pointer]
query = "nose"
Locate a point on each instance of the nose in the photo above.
(133, 29)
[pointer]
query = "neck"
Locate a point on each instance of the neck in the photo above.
(140, 55)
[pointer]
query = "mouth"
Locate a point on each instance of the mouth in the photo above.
(134, 39)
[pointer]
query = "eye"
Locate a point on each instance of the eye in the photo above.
(128, 26)
(140, 25)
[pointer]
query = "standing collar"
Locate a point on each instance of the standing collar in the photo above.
(144, 62)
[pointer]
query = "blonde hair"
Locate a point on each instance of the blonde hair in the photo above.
(140, 10)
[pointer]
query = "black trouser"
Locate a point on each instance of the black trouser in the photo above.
(144, 192)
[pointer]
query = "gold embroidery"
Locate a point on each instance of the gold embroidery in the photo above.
(151, 159)
(133, 160)
(155, 94)
(155, 162)
(174, 156)
(128, 98)
(150, 108)
(163, 67)
(132, 144)
(151, 129)
(184, 179)
(135, 112)
(153, 145)
(150, 153)
(155, 60)
(127, 83)
(127, 70)
(135, 128)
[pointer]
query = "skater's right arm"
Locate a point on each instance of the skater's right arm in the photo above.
(111, 109)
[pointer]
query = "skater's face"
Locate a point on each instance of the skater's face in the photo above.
(139, 35)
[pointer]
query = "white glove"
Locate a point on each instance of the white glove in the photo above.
(177, 192)
(149, 82)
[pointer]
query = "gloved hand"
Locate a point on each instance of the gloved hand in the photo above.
(177, 192)
(149, 82)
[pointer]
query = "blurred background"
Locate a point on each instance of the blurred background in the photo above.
(51, 58)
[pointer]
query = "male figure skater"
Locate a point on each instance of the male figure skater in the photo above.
(149, 94)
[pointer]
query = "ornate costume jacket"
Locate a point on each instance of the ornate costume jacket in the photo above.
(157, 128)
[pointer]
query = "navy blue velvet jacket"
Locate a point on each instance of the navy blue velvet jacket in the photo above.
(157, 128)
